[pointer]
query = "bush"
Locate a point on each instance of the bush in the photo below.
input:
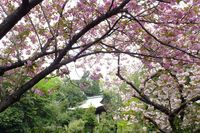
(106, 124)
(11, 120)
(76, 126)
(90, 119)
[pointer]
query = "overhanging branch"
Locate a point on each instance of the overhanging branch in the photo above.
(158, 40)
(11, 20)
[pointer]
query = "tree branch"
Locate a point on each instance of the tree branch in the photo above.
(11, 20)
(159, 41)
(50, 29)
(184, 105)
(20, 63)
(155, 124)
(36, 33)
(25, 3)
(163, 1)
(144, 97)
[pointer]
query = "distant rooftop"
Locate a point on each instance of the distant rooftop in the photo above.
(94, 101)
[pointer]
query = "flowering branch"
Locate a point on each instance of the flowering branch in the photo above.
(143, 97)
(158, 40)
(11, 20)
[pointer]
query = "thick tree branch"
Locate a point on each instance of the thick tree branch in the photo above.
(25, 3)
(163, 1)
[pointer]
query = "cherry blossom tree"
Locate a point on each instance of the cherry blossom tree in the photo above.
(63, 35)
(167, 99)
(170, 84)
(39, 37)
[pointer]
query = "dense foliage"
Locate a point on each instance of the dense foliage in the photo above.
(50, 112)
(32, 111)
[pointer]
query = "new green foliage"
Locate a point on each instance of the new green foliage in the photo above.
(48, 84)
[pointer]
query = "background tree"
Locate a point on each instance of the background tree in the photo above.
(76, 126)
(106, 124)
(112, 102)
(31, 112)
(90, 120)
(89, 84)
(70, 94)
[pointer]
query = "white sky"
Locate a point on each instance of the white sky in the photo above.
(106, 67)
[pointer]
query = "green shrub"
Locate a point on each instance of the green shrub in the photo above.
(76, 126)
(11, 120)
(106, 124)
